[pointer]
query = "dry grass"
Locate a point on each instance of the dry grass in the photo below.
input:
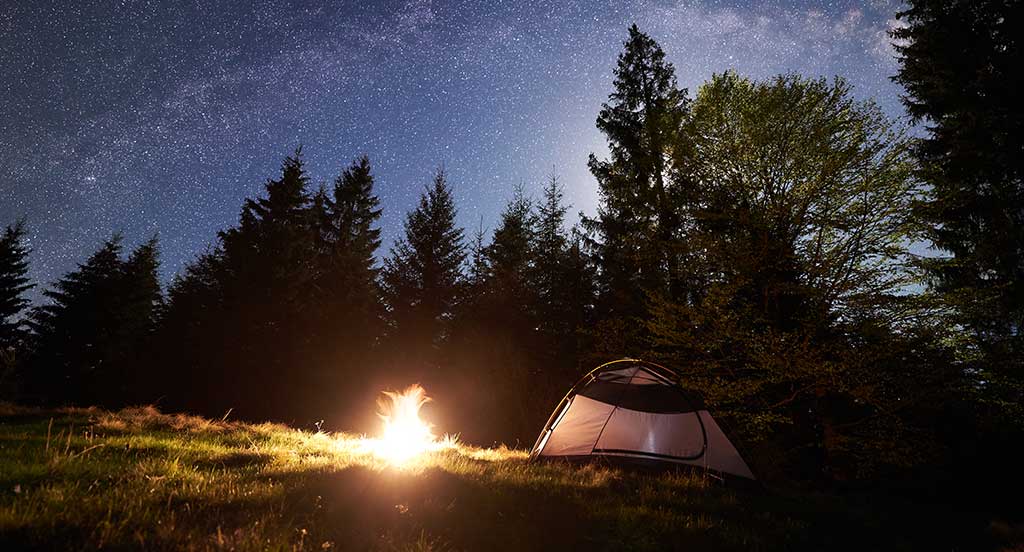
(138, 478)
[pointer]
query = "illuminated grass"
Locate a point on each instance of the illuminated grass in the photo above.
(141, 479)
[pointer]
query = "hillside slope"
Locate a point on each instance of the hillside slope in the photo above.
(85, 478)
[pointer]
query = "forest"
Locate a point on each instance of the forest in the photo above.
(761, 237)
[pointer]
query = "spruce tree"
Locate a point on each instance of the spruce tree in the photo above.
(269, 263)
(476, 279)
(96, 318)
(14, 283)
(140, 305)
(637, 218)
(959, 62)
(270, 250)
(141, 297)
(422, 276)
(549, 256)
(347, 282)
(478, 268)
(511, 352)
(198, 362)
(509, 253)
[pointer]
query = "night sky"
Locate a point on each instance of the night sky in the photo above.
(150, 117)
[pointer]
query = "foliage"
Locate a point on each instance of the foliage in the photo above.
(285, 303)
(800, 206)
(422, 277)
(14, 283)
(959, 64)
(345, 286)
(635, 220)
(97, 319)
(755, 239)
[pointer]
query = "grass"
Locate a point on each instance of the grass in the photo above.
(86, 478)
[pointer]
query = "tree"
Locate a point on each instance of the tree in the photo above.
(269, 251)
(268, 265)
(801, 212)
(422, 276)
(196, 341)
(509, 256)
(562, 281)
(96, 319)
(959, 64)
(140, 302)
(346, 283)
(637, 218)
(547, 276)
(14, 283)
(248, 307)
(500, 333)
(478, 267)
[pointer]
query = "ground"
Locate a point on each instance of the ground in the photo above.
(86, 478)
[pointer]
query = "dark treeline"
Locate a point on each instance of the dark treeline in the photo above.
(756, 236)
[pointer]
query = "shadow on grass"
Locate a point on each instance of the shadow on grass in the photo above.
(227, 495)
(233, 460)
(359, 507)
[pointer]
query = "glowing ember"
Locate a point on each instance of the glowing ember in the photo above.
(405, 435)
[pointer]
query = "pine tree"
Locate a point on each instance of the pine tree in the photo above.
(347, 282)
(269, 251)
(14, 283)
(269, 263)
(197, 367)
(422, 276)
(547, 275)
(959, 63)
(477, 278)
(563, 280)
(509, 254)
(637, 218)
(344, 296)
(286, 303)
(141, 298)
(478, 268)
(140, 305)
(97, 316)
(73, 330)
(579, 287)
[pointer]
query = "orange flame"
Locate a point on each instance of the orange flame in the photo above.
(405, 435)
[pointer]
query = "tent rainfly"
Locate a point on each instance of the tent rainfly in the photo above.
(635, 410)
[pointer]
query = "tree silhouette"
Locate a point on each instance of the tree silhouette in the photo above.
(422, 277)
(636, 218)
(959, 64)
(803, 227)
(346, 283)
(14, 283)
(97, 317)
(632, 238)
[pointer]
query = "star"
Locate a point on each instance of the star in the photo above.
(150, 117)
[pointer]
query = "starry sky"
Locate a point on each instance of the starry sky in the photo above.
(153, 117)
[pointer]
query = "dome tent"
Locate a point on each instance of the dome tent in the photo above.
(635, 410)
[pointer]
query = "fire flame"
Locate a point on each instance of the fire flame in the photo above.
(405, 435)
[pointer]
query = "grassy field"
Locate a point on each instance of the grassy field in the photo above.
(85, 478)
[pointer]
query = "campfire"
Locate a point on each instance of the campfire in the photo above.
(405, 435)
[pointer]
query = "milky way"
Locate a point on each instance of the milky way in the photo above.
(159, 118)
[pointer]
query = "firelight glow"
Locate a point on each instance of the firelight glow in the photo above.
(405, 436)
